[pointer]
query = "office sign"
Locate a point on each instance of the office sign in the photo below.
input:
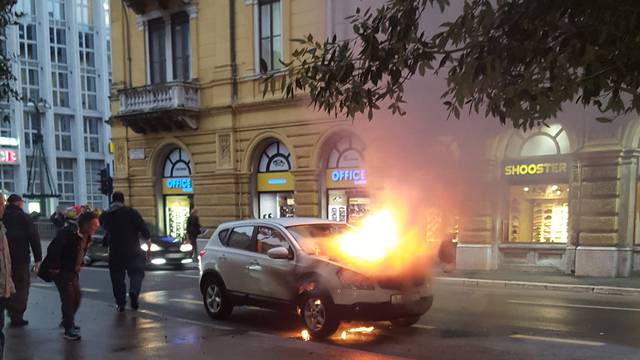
(346, 178)
(177, 186)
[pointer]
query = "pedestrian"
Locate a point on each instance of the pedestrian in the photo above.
(193, 230)
(21, 235)
(6, 282)
(124, 227)
(65, 257)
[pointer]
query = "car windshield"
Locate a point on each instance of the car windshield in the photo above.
(313, 238)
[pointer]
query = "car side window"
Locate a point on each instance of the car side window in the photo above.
(241, 238)
(268, 238)
(222, 236)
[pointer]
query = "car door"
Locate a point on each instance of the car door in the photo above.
(233, 261)
(275, 276)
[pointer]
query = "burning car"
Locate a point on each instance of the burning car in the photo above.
(325, 271)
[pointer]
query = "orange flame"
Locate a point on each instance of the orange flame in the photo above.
(304, 334)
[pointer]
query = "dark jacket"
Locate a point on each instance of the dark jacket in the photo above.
(21, 234)
(124, 227)
(193, 227)
(66, 250)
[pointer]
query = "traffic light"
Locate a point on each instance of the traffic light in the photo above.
(106, 182)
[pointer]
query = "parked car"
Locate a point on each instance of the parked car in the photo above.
(165, 249)
(279, 264)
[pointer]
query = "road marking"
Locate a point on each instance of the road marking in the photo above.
(187, 301)
(557, 340)
(42, 285)
(420, 326)
(188, 276)
(573, 305)
(193, 322)
(90, 290)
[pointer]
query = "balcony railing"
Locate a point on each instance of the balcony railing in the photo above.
(160, 107)
(144, 6)
(159, 97)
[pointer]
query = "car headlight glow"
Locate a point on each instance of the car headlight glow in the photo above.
(353, 280)
(154, 247)
(186, 247)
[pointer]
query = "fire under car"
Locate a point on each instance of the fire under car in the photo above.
(281, 264)
(165, 249)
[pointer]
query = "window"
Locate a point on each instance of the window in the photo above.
(7, 179)
(268, 238)
(157, 51)
(27, 7)
(94, 196)
(66, 184)
(241, 238)
(63, 132)
(32, 126)
(6, 127)
(180, 44)
(275, 158)
(222, 235)
(539, 214)
(177, 164)
(59, 67)
(88, 72)
(270, 35)
(83, 13)
(56, 9)
(29, 67)
(92, 134)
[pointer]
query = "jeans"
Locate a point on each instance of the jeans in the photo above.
(68, 285)
(121, 266)
(17, 304)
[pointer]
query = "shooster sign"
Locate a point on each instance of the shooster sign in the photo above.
(536, 170)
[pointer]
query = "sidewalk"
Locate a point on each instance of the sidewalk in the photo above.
(147, 335)
(542, 281)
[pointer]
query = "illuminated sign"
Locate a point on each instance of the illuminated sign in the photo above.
(346, 178)
(8, 156)
(177, 186)
(537, 170)
(5, 141)
(275, 181)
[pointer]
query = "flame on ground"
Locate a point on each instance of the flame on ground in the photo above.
(304, 334)
(358, 330)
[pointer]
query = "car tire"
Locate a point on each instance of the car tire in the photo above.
(405, 322)
(216, 300)
(318, 314)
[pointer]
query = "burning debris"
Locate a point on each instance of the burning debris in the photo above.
(304, 334)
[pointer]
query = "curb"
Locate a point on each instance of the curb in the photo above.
(607, 290)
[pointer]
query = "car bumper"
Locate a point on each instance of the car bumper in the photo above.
(384, 310)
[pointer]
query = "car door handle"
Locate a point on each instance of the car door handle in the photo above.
(254, 267)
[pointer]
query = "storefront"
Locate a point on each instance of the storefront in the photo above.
(536, 231)
(275, 183)
(345, 181)
(177, 192)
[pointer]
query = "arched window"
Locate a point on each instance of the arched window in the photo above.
(275, 158)
(177, 164)
(346, 153)
(551, 140)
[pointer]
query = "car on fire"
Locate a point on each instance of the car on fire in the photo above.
(282, 264)
(165, 249)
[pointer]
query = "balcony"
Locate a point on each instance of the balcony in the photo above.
(160, 107)
(144, 6)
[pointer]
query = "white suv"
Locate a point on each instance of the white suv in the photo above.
(280, 264)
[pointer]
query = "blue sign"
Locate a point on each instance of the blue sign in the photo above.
(182, 185)
(355, 176)
(277, 181)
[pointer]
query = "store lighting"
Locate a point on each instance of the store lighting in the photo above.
(526, 189)
(154, 247)
(554, 187)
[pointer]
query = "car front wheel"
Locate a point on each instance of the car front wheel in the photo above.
(318, 315)
(216, 300)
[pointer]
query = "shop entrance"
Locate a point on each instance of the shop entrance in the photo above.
(347, 205)
(275, 183)
(177, 209)
(177, 193)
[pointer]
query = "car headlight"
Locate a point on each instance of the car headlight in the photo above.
(154, 247)
(186, 247)
(353, 280)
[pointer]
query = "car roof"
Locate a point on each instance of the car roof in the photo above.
(285, 222)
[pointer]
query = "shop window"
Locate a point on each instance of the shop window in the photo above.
(268, 238)
(241, 238)
(275, 157)
(177, 164)
(539, 214)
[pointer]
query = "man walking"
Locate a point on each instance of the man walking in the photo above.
(65, 257)
(21, 234)
(193, 230)
(124, 227)
(6, 283)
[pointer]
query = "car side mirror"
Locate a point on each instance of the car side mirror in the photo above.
(280, 253)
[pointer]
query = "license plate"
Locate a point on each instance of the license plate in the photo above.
(404, 298)
(174, 256)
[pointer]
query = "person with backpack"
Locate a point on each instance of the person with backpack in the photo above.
(63, 263)
(124, 227)
(7, 287)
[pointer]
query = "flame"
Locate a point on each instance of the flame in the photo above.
(304, 334)
(343, 336)
(362, 329)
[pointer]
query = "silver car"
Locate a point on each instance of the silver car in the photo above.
(282, 264)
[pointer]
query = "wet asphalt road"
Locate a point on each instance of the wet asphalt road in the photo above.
(464, 323)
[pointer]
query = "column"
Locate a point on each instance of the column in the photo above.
(306, 193)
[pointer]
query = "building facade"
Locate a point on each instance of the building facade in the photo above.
(63, 74)
(192, 128)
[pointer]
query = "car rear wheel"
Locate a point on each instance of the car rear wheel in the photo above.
(405, 322)
(318, 315)
(216, 300)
